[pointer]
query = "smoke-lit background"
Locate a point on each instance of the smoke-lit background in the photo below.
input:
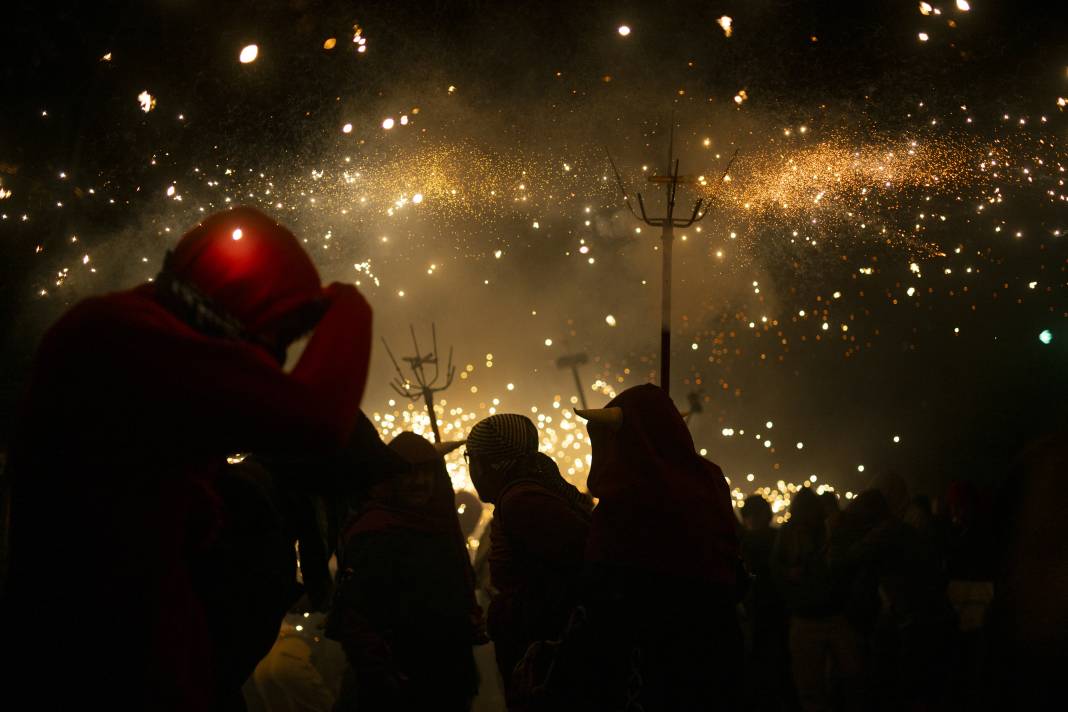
(881, 277)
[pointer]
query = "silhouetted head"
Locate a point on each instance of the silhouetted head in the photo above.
(417, 486)
(829, 500)
(640, 440)
(894, 490)
(756, 513)
(239, 274)
(495, 446)
(806, 510)
(869, 508)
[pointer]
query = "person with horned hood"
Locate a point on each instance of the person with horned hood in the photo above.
(663, 565)
(405, 610)
(136, 399)
(537, 537)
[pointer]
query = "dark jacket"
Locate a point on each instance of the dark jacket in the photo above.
(538, 535)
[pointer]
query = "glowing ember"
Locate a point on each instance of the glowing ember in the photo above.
(148, 102)
(249, 54)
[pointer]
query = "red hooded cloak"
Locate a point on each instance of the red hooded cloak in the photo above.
(663, 508)
(130, 411)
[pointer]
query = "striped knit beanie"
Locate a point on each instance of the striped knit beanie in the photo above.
(503, 439)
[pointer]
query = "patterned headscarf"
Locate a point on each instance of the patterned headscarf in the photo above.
(509, 443)
(503, 439)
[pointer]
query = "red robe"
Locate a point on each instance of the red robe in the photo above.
(129, 415)
(663, 508)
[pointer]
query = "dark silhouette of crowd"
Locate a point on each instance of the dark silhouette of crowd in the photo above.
(189, 525)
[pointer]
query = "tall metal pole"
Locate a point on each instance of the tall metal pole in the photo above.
(667, 236)
(573, 361)
(578, 387)
(667, 226)
(428, 398)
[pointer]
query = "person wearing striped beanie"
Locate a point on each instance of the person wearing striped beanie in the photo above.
(537, 538)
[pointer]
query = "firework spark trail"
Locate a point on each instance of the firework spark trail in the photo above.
(877, 187)
(837, 174)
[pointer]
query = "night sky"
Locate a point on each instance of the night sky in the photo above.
(887, 259)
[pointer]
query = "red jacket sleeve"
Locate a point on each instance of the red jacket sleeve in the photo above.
(144, 368)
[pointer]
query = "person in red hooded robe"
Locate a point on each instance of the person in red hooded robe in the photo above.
(662, 564)
(135, 400)
(405, 610)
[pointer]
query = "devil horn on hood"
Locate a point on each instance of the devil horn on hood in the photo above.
(612, 417)
(445, 448)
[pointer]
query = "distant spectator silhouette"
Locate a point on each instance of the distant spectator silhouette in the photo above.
(766, 622)
(826, 653)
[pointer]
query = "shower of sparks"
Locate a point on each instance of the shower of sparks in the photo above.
(358, 39)
(147, 101)
(905, 205)
(561, 435)
(249, 54)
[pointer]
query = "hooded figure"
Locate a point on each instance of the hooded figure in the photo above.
(405, 609)
(663, 508)
(663, 557)
(537, 538)
(136, 398)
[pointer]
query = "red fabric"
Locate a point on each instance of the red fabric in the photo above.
(543, 536)
(438, 516)
(129, 413)
(663, 508)
(259, 277)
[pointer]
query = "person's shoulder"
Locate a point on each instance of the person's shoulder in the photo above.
(105, 312)
(523, 493)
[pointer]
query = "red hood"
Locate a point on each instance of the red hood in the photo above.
(249, 265)
(662, 506)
